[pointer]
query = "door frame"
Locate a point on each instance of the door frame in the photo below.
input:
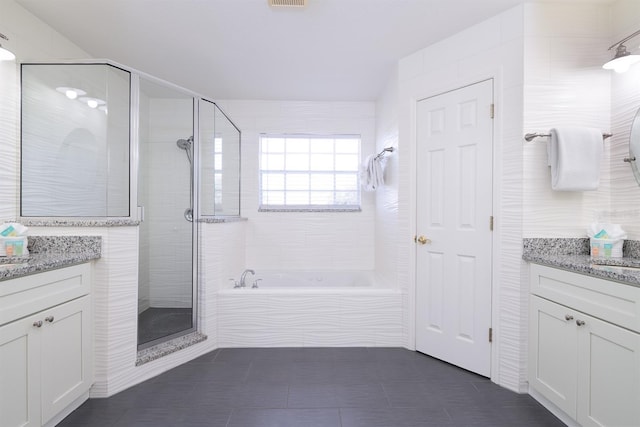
(415, 97)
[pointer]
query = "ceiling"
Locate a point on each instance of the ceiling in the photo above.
(332, 50)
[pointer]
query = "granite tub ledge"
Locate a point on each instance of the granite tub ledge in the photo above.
(49, 253)
(573, 255)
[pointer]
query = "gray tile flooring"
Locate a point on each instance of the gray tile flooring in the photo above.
(314, 387)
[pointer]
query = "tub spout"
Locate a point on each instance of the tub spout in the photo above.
(244, 276)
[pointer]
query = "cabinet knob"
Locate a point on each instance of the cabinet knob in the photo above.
(49, 319)
(568, 317)
(580, 322)
(37, 323)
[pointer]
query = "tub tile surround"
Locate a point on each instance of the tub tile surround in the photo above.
(573, 254)
(51, 252)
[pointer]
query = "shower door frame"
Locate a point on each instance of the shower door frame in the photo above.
(137, 212)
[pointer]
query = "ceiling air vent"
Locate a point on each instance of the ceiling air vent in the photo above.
(288, 3)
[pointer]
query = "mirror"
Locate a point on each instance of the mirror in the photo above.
(75, 141)
(634, 146)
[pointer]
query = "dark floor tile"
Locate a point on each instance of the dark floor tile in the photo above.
(311, 372)
(241, 396)
(337, 396)
(312, 396)
(394, 417)
(314, 387)
(211, 416)
(206, 358)
(392, 370)
(269, 372)
(394, 354)
(352, 354)
(285, 418)
(150, 417)
(94, 413)
(351, 372)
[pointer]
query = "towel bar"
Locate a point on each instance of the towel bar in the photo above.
(531, 136)
(384, 151)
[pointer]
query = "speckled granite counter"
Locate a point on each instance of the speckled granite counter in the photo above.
(573, 255)
(51, 252)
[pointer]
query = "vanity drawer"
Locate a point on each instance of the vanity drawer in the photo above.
(610, 301)
(23, 296)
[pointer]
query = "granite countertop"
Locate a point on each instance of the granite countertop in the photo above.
(573, 255)
(51, 252)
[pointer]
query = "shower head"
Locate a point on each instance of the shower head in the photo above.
(185, 144)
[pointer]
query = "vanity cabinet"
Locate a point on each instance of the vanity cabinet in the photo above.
(584, 350)
(46, 357)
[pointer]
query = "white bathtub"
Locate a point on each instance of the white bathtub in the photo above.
(311, 309)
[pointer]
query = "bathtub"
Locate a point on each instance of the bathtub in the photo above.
(311, 309)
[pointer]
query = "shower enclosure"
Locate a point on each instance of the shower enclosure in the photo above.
(101, 141)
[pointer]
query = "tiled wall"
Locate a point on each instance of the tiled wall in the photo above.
(625, 102)
(307, 240)
(565, 85)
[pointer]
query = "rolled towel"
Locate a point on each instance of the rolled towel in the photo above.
(372, 174)
(575, 154)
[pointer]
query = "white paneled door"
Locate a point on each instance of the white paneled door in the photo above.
(454, 132)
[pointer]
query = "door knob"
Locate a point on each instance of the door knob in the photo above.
(423, 240)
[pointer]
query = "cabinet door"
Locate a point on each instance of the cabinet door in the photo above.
(553, 352)
(20, 374)
(608, 374)
(67, 357)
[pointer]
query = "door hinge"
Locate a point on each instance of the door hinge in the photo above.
(491, 223)
(490, 334)
(492, 110)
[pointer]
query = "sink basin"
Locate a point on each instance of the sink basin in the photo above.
(9, 265)
(614, 267)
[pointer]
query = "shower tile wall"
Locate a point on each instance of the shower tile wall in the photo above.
(308, 240)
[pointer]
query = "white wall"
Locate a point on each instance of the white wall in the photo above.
(492, 48)
(304, 240)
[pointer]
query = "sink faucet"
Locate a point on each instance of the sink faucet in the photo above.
(244, 275)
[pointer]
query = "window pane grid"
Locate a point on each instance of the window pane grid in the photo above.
(309, 173)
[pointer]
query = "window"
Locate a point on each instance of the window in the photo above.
(309, 173)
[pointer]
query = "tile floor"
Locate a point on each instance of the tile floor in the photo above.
(314, 387)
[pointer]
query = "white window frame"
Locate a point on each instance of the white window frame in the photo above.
(335, 207)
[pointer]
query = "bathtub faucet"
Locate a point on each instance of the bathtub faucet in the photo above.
(244, 275)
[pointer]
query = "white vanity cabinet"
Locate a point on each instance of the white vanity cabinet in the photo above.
(584, 346)
(46, 349)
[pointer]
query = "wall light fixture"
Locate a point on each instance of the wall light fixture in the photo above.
(623, 59)
(5, 55)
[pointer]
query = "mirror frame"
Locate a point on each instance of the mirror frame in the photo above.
(634, 146)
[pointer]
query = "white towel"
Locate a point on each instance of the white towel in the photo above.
(372, 175)
(575, 154)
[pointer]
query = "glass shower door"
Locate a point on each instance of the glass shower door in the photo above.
(166, 279)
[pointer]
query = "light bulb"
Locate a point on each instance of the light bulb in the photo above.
(6, 55)
(71, 94)
(92, 103)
